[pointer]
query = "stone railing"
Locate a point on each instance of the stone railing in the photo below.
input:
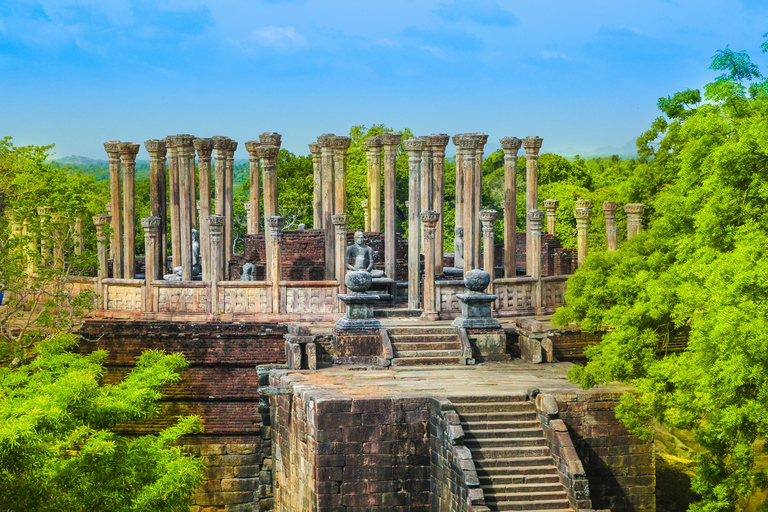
(123, 295)
(516, 295)
(309, 297)
(244, 297)
(180, 297)
(553, 292)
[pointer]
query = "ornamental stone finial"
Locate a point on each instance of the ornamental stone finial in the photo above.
(511, 143)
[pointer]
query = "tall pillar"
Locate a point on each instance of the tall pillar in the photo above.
(482, 139)
(460, 183)
(429, 219)
(535, 221)
(550, 205)
(101, 252)
(116, 200)
(272, 141)
(204, 148)
(157, 196)
(510, 145)
(366, 215)
(325, 142)
(171, 144)
(390, 141)
(582, 212)
(611, 233)
(229, 200)
(470, 144)
(184, 152)
(220, 150)
(275, 225)
(414, 147)
(634, 213)
(108, 209)
(46, 238)
(255, 180)
(532, 146)
(317, 191)
(151, 227)
(488, 220)
(340, 148)
(437, 143)
(373, 159)
(216, 224)
(128, 152)
(340, 222)
(425, 184)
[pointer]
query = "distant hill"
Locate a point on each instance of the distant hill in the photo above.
(80, 161)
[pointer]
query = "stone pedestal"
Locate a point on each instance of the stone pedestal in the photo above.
(128, 152)
(157, 195)
(611, 233)
(216, 224)
(101, 252)
(359, 305)
(488, 220)
(254, 198)
(325, 142)
(153, 270)
(116, 206)
(429, 220)
(414, 147)
(582, 212)
(476, 305)
(390, 140)
(532, 146)
(373, 160)
(634, 218)
(510, 145)
(317, 191)
(550, 205)
(437, 142)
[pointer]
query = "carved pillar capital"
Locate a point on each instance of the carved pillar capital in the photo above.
(536, 218)
(204, 148)
(582, 215)
(275, 224)
(532, 145)
(609, 208)
(430, 218)
(372, 145)
(268, 153)
(156, 148)
(510, 145)
(390, 139)
(128, 151)
(314, 149)
(634, 208)
(271, 139)
(340, 220)
(488, 220)
(551, 205)
(583, 203)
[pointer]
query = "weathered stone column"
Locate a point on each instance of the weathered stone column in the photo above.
(272, 142)
(151, 227)
(532, 145)
(470, 144)
(255, 178)
(108, 209)
(414, 147)
(79, 239)
(172, 145)
(46, 248)
(488, 220)
(510, 145)
(634, 213)
(317, 195)
(216, 224)
(425, 184)
(185, 157)
(128, 152)
(582, 212)
(275, 225)
(390, 140)
(325, 142)
(340, 148)
(611, 233)
(551, 206)
(220, 150)
(229, 200)
(366, 215)
(373, 159)
(429, 220)
(482, 139)
(460, 184)
(535, 221)
(157, 194)
(340, 223)
(437, 142)
(116, 200)
(101, 252)
(204, 148)
(248, 215)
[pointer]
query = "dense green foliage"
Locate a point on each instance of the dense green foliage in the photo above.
(701, 265)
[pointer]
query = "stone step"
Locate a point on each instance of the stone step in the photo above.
(538, 506)
(427, 353)
(519, 464)
(480, 426)
(486, 399)
(473, 444)
(423, 361)
(546, 468)
(494, 417)
(521, 452)
(529, 488)
(507, 433)
(411, 330)
(453, 345)
(425, 338)
(494, 407)
(503, 477)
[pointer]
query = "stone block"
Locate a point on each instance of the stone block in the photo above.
(246, 471)
(239, 484)
(243, 507)
(219, 472)
(242, 449)
(213, 449)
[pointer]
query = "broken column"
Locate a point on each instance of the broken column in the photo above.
(340, 148)
(510, 145)
(101, 252)
(157, 194)
(634, 218)
(340, 222)
(317, 191)
(366, 215)
(216, 224)
(532, 145)
(550, 205)
(414, 147)
(429, 220)
(373, 161)
(437, 143)
(535, 221)
(116, 206)
(275, 225)
(128, 152)
(390, 140)
(582, 212)
(153, 270)
(229, 200)
(268, 155)
(611, 233)
(488, 220)
(255, 182)
(325, 142)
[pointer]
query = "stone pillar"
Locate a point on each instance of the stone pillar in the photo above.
(340, 148)
(157, 195)
(275, 225)
(470, 143)
(532, 145)
(255, 179)
(229, 200)
(153, 271)
(46, 246)
(116, 200)
(488, 220)
(79, 239)
(248, 214)
(317, 195)
(429, 220)
(535, 221)
(185, 160)
(634, 213)
(366, 215)
(510, 145)
(551, 206)
(582, 212)
(325, 142)
(101, 252)
(373, 159)
(414, 147)
(108, 209)
(216, 224)
(460, 184)
(272, 142)
(220, 150)
(437, 142)
(128, 152)
(171, 144)
(425, 184)
(482, 139)
(611, 233)
(340, 222)
(390, 140)
(204, 148)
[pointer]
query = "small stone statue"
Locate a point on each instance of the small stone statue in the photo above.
(360, 257)
(248, 270)
(196, 267)
(302, 227)
(458, 248)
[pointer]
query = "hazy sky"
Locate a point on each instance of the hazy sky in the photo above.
(582, 75)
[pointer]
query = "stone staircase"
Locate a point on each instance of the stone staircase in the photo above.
(425, 345)
(513, 462)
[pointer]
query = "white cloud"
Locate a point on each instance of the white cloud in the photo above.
(285, 38)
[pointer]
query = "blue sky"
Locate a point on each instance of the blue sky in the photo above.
(582, 75)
